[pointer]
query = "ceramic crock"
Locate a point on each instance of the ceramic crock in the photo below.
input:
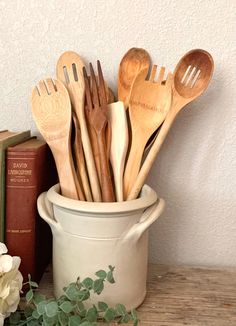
(90, 236)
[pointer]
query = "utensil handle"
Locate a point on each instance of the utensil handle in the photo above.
(92, 172)
(66, 171)
(133, 194)
(80, 161)
(106, 183)
(134, 161)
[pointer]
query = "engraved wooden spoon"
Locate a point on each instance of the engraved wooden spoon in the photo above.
(135, 60)
(69, 71)
(148, 106)
(51, 111)
(191, 78)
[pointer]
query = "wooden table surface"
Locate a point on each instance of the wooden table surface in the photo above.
(180, 295)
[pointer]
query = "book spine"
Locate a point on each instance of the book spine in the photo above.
(22, 188)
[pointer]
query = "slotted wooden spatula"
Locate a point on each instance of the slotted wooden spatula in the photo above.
(69, 71)
(148, 106)
(51, 111)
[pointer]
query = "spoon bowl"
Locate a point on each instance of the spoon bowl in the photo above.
(193, 73)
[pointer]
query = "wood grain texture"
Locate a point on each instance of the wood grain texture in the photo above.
(51, 110)
(69, 71)
(134, 60)
(191, 77)
(181, 295)
(149, 104)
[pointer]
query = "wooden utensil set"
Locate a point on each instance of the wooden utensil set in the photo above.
(97, 145)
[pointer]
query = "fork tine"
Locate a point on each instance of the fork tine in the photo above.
(42, 88)
(153, 73)
(161, 75)
(50, 85)
(102, 87)
(169, 79)
(35, 92)
(87, 90)
(94, 88)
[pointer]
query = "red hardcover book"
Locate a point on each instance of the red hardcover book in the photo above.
(30, 170)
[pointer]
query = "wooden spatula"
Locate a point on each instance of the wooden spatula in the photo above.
(119, 144)
(148, 106)
(69, 71)
(191, 78)
(51, 110)
(96, 104)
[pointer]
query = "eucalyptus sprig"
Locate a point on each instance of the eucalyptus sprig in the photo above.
(70, 309)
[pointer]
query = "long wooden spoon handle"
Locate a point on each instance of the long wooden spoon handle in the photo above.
(106, 182)
(133, 194)
(92, 172)
(80, 161)
(133, 163)
(66, 172)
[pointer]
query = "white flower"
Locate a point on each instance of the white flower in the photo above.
(10, 283)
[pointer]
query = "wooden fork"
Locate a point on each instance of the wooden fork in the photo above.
(96, 105)
(148, 107)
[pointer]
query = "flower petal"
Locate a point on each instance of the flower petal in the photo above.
(6, 263)
(3, 248)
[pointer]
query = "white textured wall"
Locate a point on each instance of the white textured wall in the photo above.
(196, 169)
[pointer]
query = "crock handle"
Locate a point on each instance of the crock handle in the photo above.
(46, 211)
(149, 216)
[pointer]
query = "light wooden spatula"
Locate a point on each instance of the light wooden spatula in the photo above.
(191, 78)
(51, 111)
(69, 71)
(119, 144)
(148, 106)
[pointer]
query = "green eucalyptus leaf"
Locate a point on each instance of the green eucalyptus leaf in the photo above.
(125, 319)
(88, 283)
(72, 292)
(33, 323)
(134, 314)
(80, 306)
(35, 314)
(63, 318)
(83, 294)
(98, 286)
(101, 274)
(86, 323)
(51, 309)
(50, 321)
(29, 295)
(38, 298)
(74, 321)
(102, 306)
(120, 308)
(109, 314)
(66, 307)
(92, 314)
(110, 277)
(41, 307)
(33, 284)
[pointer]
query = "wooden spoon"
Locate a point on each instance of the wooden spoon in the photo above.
(69, 71)
(51, 110)
(148, 107)
(119, 144)
(135, 60)
(191, 78)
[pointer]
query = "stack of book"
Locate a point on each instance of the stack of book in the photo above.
(26, 169)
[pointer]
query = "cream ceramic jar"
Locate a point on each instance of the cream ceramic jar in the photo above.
(89, 236)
